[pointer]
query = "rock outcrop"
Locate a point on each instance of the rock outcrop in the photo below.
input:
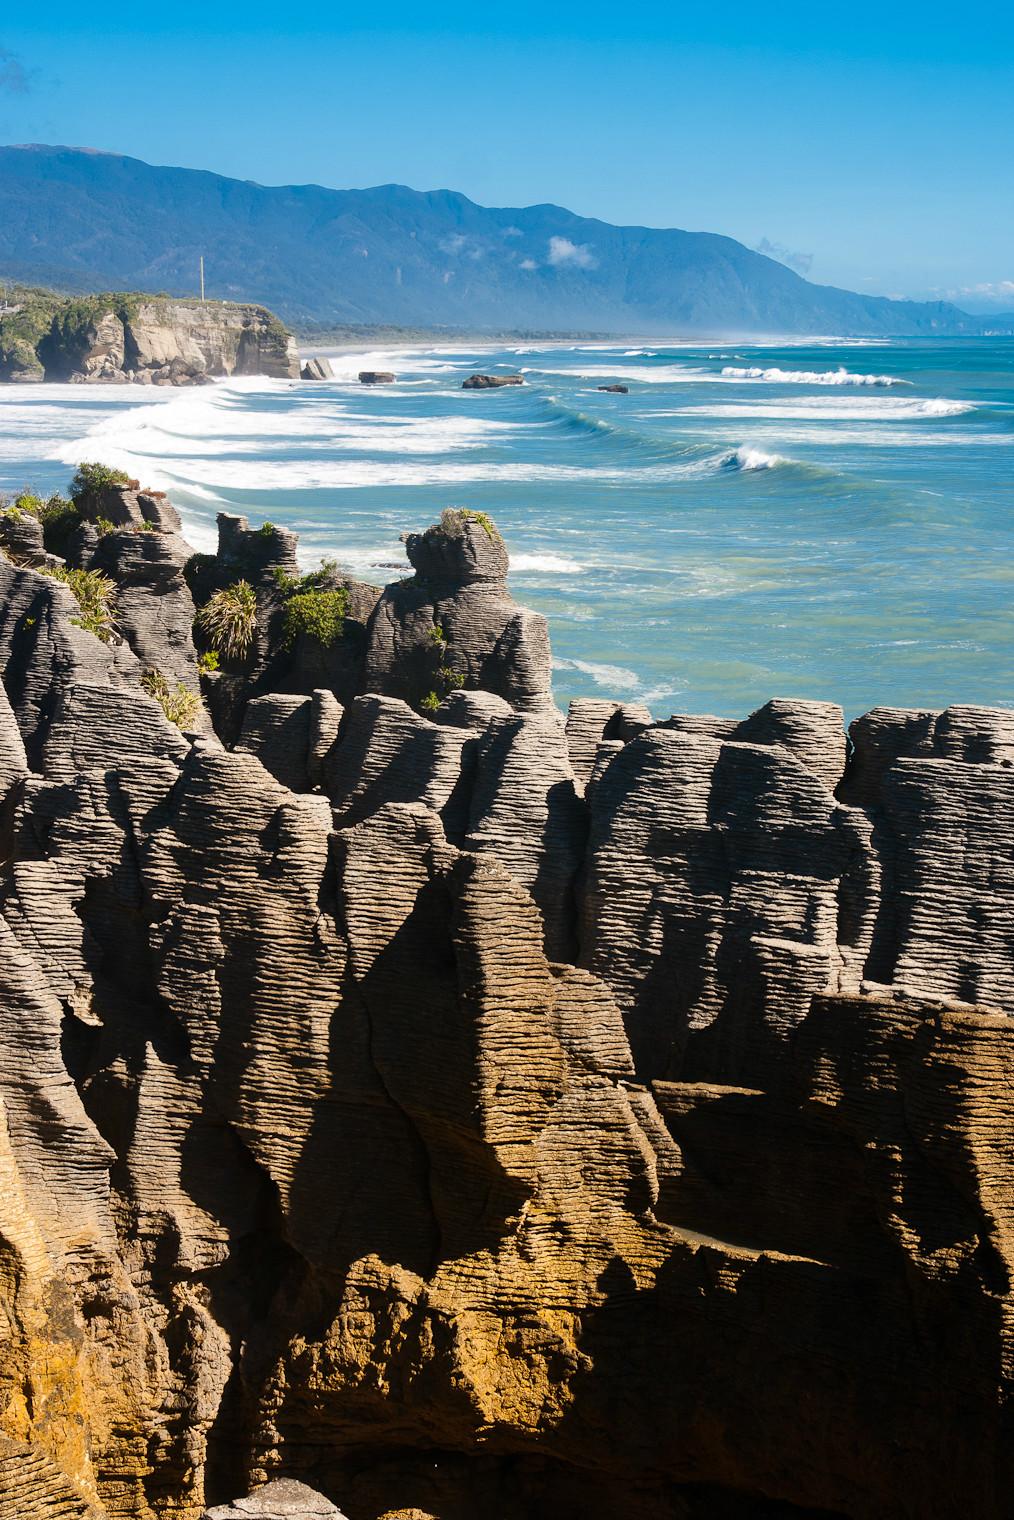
(422, 1108)
(281, 1500)
(117, 339)
(376, 377)
(317, 369)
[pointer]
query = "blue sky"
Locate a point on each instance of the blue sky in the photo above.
(874, 145)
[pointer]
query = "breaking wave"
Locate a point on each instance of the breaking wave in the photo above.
(840, 376)
(746, 458)
(828, 409)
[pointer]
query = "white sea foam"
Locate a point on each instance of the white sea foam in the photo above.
(651, 374)
(547, 564)
(806, 376)
(387, 561)
(209, 427)
(831, 408)
(399, 361)
(612, 677)
(874, 435)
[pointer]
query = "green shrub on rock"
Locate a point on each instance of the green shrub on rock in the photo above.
(94, 478)
(317, 615)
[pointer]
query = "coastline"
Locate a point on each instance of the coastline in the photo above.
(675, 537)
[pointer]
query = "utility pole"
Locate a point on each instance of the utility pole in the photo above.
(202, 277)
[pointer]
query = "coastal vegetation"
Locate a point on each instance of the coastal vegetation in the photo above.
(317, 615)
(228, 620)
(92, 479)
(180, 705)
(94, 594)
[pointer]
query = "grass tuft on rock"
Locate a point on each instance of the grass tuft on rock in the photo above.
(228, 620)
(452, 518)
(93, 593)
(180, 705)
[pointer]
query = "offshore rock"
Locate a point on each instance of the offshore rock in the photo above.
(490, 382)
(616, 390)
(317, 369)
(376, 377)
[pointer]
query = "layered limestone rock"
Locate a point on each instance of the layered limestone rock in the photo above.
(418, 1108)
(454, 623)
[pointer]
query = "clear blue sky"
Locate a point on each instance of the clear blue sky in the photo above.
(876, 139)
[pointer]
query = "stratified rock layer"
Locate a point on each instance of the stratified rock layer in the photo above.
(410, 1096)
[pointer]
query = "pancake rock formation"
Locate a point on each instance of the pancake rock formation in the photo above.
(415, 1105)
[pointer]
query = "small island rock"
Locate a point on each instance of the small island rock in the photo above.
(490, 382)
(317, 369)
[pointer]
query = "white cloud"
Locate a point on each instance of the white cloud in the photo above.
(1001, 291)
(563, 252)
(802, 263)
(512, 232)
(452, 244)
(528, 264)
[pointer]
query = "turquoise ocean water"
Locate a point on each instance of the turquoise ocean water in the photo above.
(815, 518)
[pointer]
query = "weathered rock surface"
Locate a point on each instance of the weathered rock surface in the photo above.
(448, 1111)
(376, 377)
(282, 1500)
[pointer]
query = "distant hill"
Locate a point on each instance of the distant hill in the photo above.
(85, 220)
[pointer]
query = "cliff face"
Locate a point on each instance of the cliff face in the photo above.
(468, 1114)
(120, 338)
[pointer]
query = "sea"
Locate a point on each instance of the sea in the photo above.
(813, 518)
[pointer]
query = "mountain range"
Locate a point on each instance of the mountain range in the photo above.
(85, 220)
